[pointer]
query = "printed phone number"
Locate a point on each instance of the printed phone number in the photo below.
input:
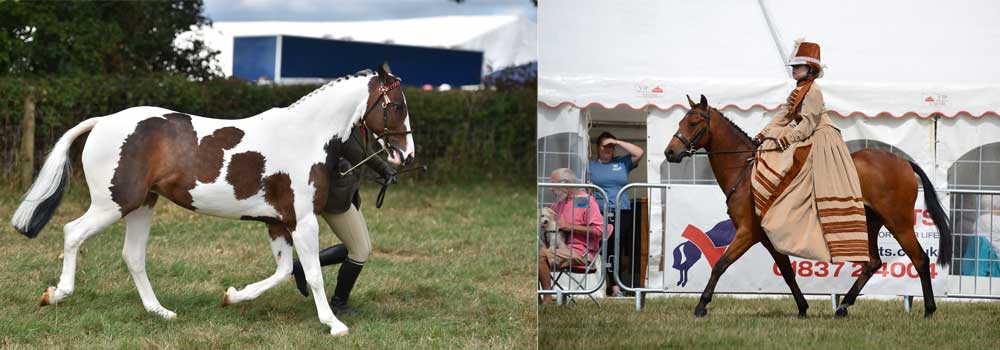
(896, 269)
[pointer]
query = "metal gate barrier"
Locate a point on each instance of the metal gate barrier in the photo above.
(974, 273)
(975, 224)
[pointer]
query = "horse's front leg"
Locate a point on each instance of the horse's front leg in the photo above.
(306, 239)
(743, 241)
(785, 266)
(281, 248)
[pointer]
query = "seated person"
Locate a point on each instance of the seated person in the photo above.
(582, 223)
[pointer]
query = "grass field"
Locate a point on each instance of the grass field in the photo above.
(451, 268)
(668, 323)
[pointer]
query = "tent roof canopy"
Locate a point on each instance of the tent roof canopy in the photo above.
(889, 57)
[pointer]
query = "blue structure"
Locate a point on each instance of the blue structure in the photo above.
(281, 57)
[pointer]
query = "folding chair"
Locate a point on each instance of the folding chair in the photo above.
(578, 277)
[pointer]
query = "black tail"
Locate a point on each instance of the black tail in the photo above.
(938, 215)
(46, 208)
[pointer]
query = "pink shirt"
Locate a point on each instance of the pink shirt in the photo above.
(582, 216)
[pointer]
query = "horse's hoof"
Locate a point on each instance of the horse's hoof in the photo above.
(700, 312)
(841, 312)
(802, 315)
(339, 330)
(927, 315)
(166, 314)
(226, 299)
(49, 292)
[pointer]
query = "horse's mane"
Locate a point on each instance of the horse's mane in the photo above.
(359, 74)
(744, 133)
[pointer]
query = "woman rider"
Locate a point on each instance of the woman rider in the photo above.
(807, 191)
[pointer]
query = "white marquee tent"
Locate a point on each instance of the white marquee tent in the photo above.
(918, 77)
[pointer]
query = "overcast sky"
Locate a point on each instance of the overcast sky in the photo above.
(358, 10)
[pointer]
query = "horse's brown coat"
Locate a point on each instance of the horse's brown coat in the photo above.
(319, 177)
(278, 193)
(245, 172)
(164, 155)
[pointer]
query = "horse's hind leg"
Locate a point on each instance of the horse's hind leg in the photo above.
(874, 262)
(785, 266)
(903, 232)
(96, 219)
(281, 248)
(137, 225)
(743, 241)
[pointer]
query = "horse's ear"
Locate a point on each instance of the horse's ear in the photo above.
(704, 101)
(690, 102)
(384, 71)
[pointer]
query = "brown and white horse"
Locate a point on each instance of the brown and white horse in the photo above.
(273, 167)
(888, 186)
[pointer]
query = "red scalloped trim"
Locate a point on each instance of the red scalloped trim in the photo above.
(667, 108)
(848, 115)
(915, 114)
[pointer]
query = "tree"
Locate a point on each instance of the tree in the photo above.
(131, 38)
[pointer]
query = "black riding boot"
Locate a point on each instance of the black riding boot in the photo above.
(346, 278)
(329, 256)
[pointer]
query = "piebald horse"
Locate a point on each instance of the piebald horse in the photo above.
(887, 185)
(273, 167)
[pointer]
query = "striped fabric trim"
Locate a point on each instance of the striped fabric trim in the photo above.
(840, 199)
(798, 161)
(841, 211)
(844, 227)
(770, 187)
(768, 167)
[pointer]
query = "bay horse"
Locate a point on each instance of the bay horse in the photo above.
(887, 185)
(273, 167)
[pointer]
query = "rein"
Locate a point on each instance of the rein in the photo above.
(690, 145)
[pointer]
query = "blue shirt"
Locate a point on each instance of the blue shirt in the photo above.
(611, 177)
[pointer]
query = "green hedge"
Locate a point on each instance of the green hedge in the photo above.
(460, 135)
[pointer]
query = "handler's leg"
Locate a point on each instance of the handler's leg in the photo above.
(351, 228)
(332, 255)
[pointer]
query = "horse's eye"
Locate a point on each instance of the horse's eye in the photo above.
(692, 123)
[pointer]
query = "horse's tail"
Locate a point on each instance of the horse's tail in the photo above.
(938, 215)
(42, 199)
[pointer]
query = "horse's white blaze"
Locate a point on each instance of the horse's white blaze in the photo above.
(396, 159)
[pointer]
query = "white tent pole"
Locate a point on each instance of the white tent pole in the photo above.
(774, 35)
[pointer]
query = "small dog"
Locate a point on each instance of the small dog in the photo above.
(550, 229)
